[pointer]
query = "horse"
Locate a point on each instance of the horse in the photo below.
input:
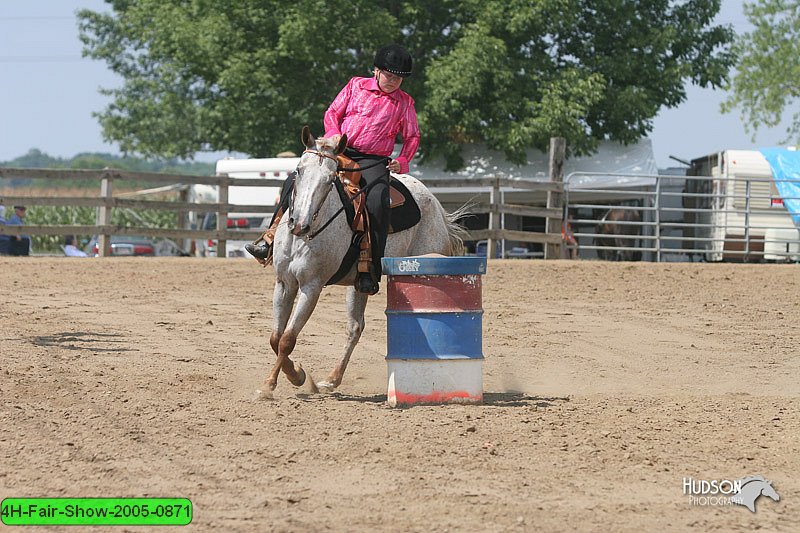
(311, 242)
(752, 488)
(615, 235)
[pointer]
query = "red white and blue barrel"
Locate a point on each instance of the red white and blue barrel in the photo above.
(434, 340)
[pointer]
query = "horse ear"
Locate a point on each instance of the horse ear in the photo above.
(342, 144)
(307, 138)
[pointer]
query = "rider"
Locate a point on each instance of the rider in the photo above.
(371, 112)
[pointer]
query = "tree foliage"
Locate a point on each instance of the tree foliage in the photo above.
(767, 78)
(245, 76)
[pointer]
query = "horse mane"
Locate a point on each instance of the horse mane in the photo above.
(325, 143)
(750, 479)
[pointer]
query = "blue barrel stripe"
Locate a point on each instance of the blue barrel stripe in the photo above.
(433, 266)
(413, 335)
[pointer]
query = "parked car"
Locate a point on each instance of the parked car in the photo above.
(235, 248)
(132, 245)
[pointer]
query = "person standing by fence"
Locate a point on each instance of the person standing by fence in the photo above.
(19, 244)
(5, 240)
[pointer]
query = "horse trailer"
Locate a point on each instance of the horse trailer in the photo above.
(737, 214)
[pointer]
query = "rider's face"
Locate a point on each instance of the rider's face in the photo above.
(387, 81)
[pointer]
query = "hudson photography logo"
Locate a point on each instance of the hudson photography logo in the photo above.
(721, 492)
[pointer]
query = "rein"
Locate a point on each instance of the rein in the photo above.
(345, 169)
(360, 168)
(339, 211)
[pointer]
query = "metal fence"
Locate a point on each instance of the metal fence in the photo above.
(643, 217)
(682, 218)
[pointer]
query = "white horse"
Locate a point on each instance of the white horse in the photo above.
(305, 260)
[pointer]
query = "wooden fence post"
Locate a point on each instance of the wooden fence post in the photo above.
(494, 200)
(182, 218)
(555, 199)
(222, 218)
(104, 213)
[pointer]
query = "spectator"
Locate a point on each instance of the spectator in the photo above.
(20, 244)
(70, 250)
(5, 240)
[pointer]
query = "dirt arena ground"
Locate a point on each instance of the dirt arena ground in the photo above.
(606, 386)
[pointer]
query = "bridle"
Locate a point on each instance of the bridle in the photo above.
(321, 155)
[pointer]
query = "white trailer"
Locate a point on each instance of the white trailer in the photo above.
(275, 168)
(746, 218)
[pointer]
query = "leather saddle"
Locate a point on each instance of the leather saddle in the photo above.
(405, 214)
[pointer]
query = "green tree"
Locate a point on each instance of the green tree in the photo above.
(767, 78)
(245, 76)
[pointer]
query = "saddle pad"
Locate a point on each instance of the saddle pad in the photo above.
(406, 214)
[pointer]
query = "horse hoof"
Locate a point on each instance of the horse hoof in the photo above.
(300, 375)
(262, 395)
(326, 386)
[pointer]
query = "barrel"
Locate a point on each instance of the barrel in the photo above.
(434, 338)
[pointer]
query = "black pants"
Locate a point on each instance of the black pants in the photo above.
(22, 246)
(376, 181)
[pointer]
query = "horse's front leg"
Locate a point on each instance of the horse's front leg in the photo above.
(283, 343)
(282, 302)
(356, 305)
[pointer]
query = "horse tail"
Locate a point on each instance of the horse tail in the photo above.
(455, 231)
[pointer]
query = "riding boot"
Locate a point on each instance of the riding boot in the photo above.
(263, 252)
(369, 282)
(367, 279)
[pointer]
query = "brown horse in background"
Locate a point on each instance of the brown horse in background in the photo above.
(619, 235)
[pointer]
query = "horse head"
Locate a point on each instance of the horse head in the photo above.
(316, 173)
(769, 491)
(751, 488)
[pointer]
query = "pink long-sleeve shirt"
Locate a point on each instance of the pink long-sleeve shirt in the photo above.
(371, 119)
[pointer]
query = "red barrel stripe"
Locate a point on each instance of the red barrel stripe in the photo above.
(399, 398)
(434, 293)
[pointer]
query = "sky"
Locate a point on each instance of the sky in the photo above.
(48, 92)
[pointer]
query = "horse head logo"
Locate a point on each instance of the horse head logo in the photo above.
(752, 488)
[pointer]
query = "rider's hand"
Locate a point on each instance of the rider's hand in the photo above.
(394, 165)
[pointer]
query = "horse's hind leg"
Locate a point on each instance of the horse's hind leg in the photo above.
(356, 304)
(284, 343)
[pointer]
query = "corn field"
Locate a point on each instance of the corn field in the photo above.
(80, 216)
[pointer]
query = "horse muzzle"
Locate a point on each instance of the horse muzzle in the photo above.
(298, 229)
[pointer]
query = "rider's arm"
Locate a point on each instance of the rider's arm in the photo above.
(410, 130)
(334, 116)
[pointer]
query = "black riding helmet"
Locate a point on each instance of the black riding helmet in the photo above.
(394, 58)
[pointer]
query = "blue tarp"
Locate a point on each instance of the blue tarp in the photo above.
(785, 166)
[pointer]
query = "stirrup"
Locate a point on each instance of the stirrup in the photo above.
(366, 283)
